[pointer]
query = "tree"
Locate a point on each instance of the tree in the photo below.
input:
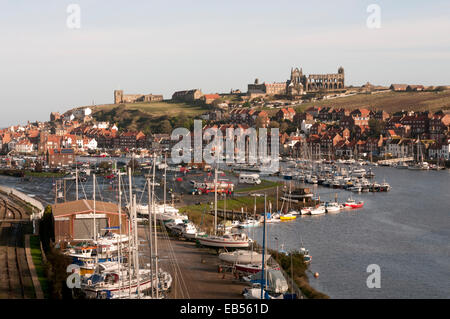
(260, 121)
(105, 166)
(376, 127)
(274, 124)
(38, 167)
(283, 127)
(47, 229)
(165, 127)
(134, 164)
(180, 120)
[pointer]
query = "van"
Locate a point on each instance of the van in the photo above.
(249, 179)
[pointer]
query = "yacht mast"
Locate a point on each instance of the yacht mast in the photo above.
(76, 182)
(264, 246)
(150, 234)
(95, 222)
(156, 237)
(120, 233)
(130, 236)
(136, 246)
(215, 196)
(165, 179)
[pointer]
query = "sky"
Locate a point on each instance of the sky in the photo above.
(160, 47)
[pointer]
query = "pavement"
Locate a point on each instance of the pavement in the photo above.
(194, 270)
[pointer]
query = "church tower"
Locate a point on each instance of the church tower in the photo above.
(118, 96)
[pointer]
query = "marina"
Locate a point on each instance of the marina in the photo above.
(365, 228)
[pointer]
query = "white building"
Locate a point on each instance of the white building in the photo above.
(305, 126)
(398, 147)
(23, 146)
(91, 144)
(440, 152)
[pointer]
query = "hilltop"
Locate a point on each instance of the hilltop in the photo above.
(164, 115)
(390, 102)
(149, 117)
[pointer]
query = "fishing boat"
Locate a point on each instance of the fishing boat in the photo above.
(351, 203)
(306, 256)
(385, 187)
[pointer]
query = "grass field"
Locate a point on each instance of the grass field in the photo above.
(390, 101)
(264, 185)
(44, 174)
(36, 255)
(158, 109)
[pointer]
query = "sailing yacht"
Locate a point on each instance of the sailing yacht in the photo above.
(420, 164)
(226, 241)
(319, 210)
(242, 257)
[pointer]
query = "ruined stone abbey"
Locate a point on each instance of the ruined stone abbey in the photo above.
(299, 84)
(119, 97)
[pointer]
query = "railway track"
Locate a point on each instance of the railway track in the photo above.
(15, 277)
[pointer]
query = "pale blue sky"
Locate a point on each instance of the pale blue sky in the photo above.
(163, 46)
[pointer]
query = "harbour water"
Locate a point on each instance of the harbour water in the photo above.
(405, 231)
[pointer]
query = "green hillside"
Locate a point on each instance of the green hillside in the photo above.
(157, 117)
(390, 101)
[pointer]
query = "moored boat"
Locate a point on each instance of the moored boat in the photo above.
(351, 203)
(319, 210)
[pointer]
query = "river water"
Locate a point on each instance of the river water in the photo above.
(406, 232)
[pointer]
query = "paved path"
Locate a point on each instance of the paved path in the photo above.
(34, 276)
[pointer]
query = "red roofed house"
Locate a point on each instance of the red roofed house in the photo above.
(60, 157)
(209, 98)
(439, 126)
(398, 87)
(286, 114)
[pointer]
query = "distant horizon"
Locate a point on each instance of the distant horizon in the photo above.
(159, 47)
